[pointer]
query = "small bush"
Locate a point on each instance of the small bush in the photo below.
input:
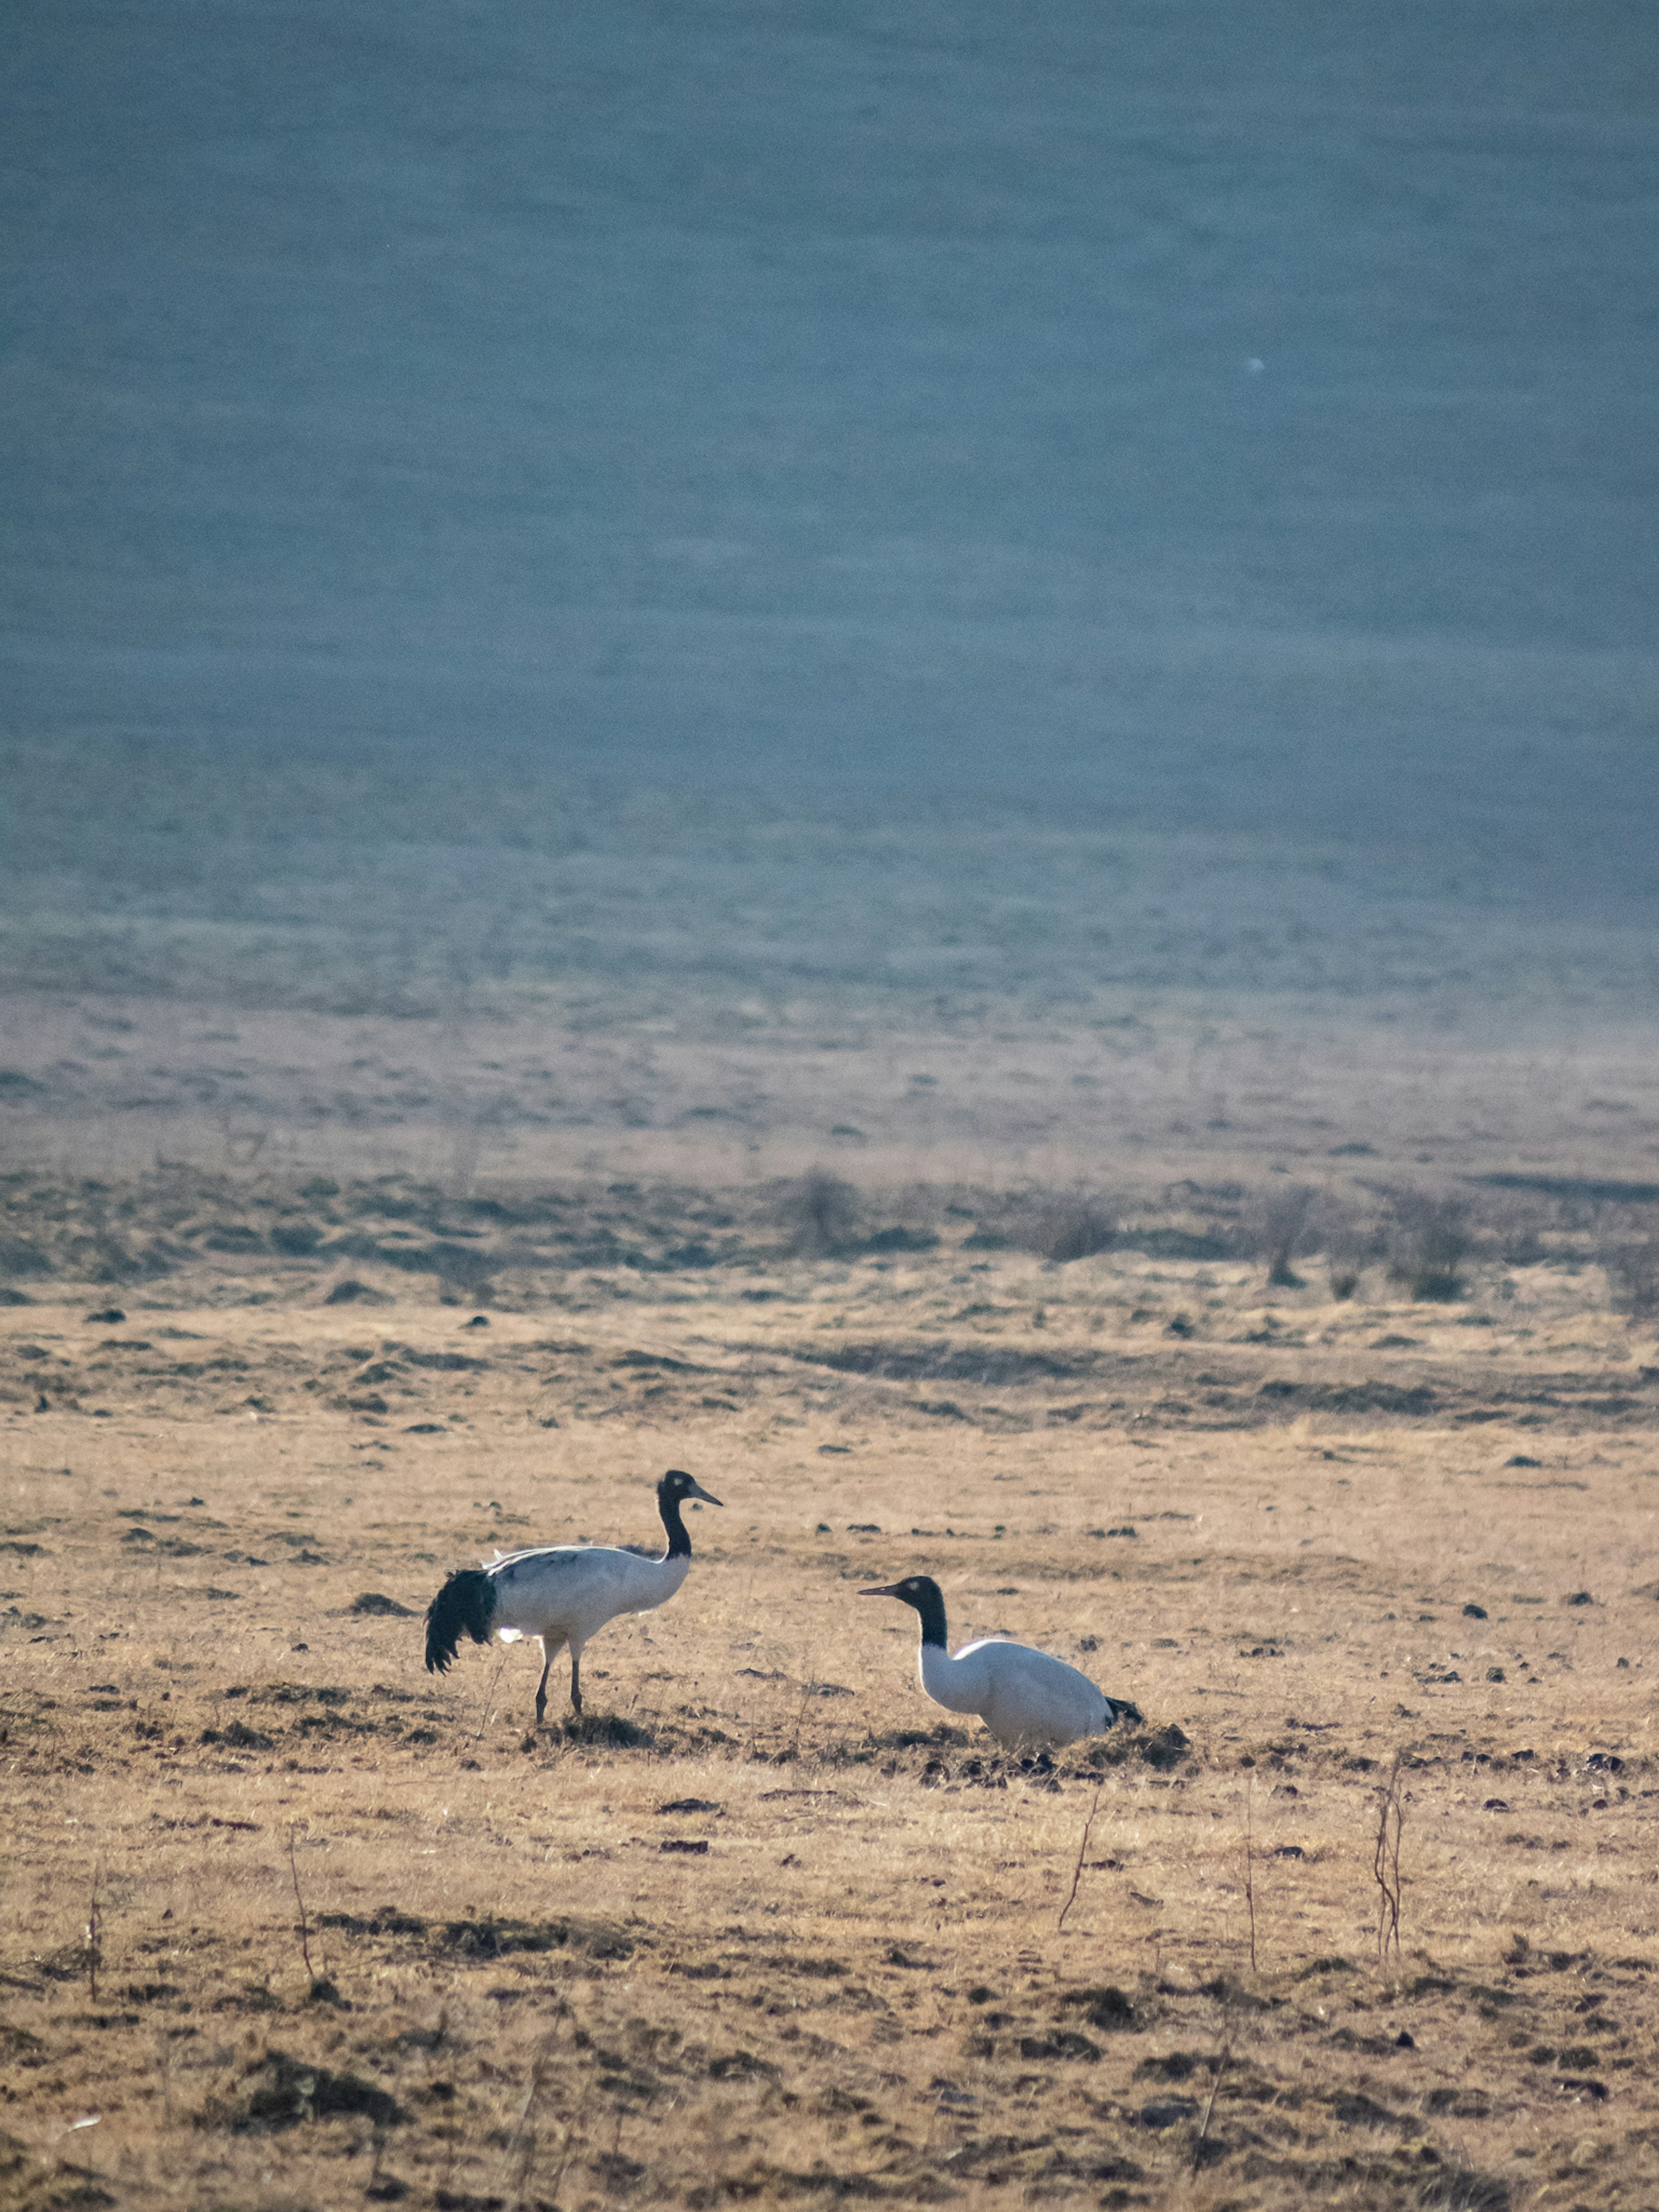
(900, 1240)
(350, 1291)
(607, 1728)
(1107, 2007)
(1073, 1228)
(492, 1938)
(297, 1240)
(1428, 1242)
(1349, 1243)
(820, 1213)
(1277, 1227)
(232, 1237)
(1633, 1271)
(1515, 1230)
(293, 2092)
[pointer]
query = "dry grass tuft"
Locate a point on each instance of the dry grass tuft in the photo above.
(1633, 1271)
(1429, 1239)
(820, 1213)
(1077, 1227)
(1278, 1231)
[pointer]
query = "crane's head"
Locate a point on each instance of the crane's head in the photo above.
(678, 1485)
(919, 1590)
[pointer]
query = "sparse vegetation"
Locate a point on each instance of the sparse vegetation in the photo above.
(820, 1213)
(1515, 1228)
(1632, 1272)
(1277, 1229)
(1429, 1241)
(1079, 1226)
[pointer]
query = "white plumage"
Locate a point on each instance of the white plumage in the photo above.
(561, 1594)
(1028, 1699)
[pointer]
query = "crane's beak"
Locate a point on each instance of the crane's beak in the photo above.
(891, 1591)
(707, 1496)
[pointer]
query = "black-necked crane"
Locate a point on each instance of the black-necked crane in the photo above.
(563, 1593)
(1030, 1700)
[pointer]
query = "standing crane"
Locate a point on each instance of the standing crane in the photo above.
(563, 1593)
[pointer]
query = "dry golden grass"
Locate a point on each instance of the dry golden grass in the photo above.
(359, 1937)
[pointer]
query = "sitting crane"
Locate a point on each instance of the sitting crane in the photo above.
(1028, 1700)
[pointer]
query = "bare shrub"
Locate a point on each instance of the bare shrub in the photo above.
(1429, 1241)
(1515, 1228)
(820, 1212)
(1277, 1227)
(1632, 1270)
(18, 1257)
(1075, 1227)
(1349, 1244)
(1385, 1860)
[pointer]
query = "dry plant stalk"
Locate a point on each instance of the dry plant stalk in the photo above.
(1082, 1850)
(572, 2137)
(523, 2143)
(809, 1682)
(490, 1699)
(1249, 1866)
(94, 1929)
(1385, 1862)
(304, 1925)
(1222, 2059)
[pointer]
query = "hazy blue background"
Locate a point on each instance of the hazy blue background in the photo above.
(842, 400)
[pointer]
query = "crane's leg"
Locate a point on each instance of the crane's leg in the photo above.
(576, 1681)
(549, 1645)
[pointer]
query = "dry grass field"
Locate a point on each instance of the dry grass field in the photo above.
(291, 1923)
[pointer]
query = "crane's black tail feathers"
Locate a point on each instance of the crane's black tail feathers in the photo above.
(1117, 1708)
(465, 1606)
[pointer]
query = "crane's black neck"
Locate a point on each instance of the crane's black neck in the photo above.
(668, 1504)
(929, 1602)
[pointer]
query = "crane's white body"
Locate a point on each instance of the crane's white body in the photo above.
(565, 1593)
(1027, 1698)
(1030, 1700)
